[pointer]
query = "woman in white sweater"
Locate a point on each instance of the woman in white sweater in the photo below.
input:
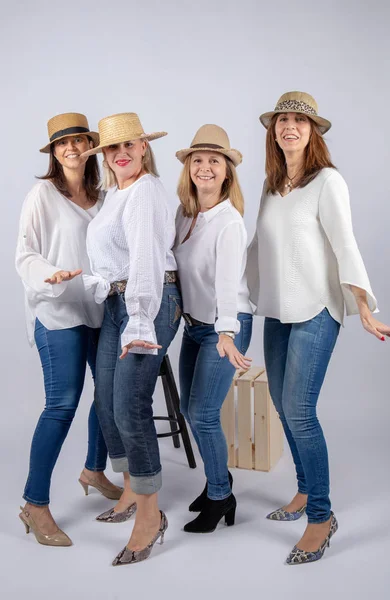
(134, 274)
(62, 318)
(210, 250)
(304, 268)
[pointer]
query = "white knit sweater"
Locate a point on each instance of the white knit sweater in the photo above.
(304, 255)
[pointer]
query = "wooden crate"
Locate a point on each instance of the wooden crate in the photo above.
(250, 422)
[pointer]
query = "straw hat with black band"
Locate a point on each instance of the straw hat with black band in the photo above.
(66, 124)
(211, 138)
(298, 102)
(119, 128)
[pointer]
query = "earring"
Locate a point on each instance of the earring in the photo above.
(105, 163)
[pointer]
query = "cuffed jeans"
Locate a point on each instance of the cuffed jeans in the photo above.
(124, 391)
(64, 354)
(205, 379)
(296, 358)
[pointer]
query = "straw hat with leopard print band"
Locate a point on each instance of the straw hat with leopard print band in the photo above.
(66, 124)
(298, 102)
(214, 138)
(122, 127)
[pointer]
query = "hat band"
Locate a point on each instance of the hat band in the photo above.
(213, 146)
(295, 106)
(68, 131)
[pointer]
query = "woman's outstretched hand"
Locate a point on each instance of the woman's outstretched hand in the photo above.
(227, 348)
(61, 276)
(139, 344)
(374, 326)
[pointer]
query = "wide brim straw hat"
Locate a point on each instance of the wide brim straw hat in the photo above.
(123, 127)
(66, 124)
(211, 138)
(298, 102)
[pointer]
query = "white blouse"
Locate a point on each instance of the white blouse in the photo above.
(304, 256)
(131, 238)
(211, 265)
(52, 235)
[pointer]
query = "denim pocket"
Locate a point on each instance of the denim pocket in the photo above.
(246, 334)
(175, 311)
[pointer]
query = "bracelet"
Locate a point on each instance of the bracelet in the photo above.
(230, 334)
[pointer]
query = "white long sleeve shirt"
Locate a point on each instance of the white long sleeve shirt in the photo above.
(304, 256)
(52, 235)
(131, 239)
(211, 265)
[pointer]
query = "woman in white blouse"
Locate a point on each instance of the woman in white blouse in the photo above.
(210, 250)
(134, 274)
(304, 268)
(62, 317)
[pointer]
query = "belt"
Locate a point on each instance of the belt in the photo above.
(191, 321)
(119, 287)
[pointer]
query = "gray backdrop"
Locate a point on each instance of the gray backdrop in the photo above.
(179, 65)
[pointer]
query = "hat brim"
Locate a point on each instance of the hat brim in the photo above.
(323, 124)
(145, 136)
(92, 134)
(234, 155)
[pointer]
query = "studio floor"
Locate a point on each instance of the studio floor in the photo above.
(244, 560)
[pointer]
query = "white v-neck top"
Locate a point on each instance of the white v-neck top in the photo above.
(52, 234)
(132, 239)
(211, 265)
(304, 256)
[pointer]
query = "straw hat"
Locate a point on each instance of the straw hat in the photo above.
(122, 127)
(68, 124)
(298, 102)
(211, 137)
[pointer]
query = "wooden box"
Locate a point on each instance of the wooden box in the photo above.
(252, 427)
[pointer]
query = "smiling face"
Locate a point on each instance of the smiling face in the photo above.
(208, 171)
(68, 150)
(292, 131)
(125, 159)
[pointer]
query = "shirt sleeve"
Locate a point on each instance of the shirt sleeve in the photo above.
(252, 265)
(31, 266)
(336, 220)
(230, 257)
(144, 220)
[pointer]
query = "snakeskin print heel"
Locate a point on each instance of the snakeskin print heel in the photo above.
(110, 516)
(283, 515)
(127, 557)
(299, 557)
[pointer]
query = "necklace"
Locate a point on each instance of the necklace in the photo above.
(289, 185)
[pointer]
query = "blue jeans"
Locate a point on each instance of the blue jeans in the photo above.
(296, 359)
(205, 379)
(64, 354)
(124, 391)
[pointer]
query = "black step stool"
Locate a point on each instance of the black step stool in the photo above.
(175, 418)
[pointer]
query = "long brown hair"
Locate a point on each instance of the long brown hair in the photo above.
(56, 175)
(316, 157)
(188, 195)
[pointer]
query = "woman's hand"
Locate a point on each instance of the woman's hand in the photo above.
(61, 276)
(139, 344)
(227, 348)
(372, 325)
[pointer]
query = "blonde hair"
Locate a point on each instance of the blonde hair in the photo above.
(188, 195)
(148, 165)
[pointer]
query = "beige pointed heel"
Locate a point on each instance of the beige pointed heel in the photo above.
(59, 538)
(111, 494)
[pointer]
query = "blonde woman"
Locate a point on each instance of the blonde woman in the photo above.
(134, 269)
(210, 250)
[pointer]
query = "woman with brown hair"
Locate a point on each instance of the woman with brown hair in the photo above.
(210, 250)
(304, 269)
(62, 317)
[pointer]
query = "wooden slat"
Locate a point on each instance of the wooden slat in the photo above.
(244, 416)
(261, 428)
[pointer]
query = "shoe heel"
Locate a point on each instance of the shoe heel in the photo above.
(230, 516)
(84, 486)
(162, 539)
(26, 526)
